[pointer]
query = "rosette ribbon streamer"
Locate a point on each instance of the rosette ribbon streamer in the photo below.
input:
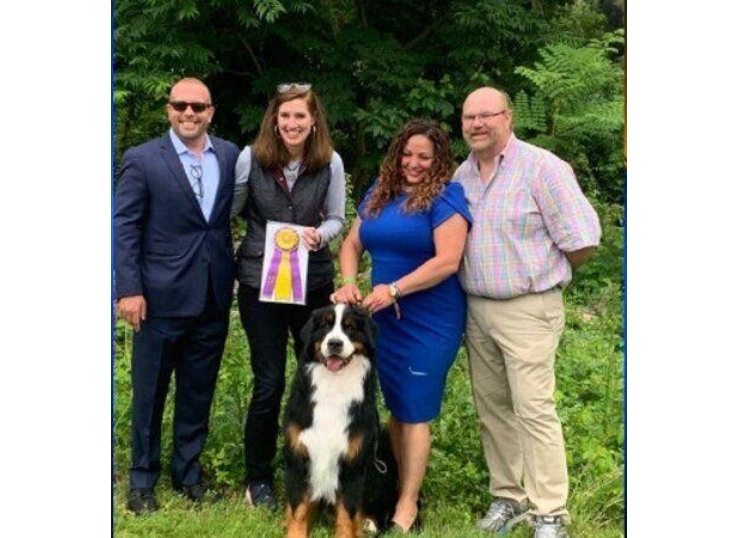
(283, 277)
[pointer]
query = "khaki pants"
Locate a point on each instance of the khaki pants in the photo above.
(512, 345)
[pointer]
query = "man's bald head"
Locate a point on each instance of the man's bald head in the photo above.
(486, 121)
(190, 111)
(189, 83)
(489, 95)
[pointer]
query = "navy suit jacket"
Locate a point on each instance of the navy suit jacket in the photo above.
(165, 250)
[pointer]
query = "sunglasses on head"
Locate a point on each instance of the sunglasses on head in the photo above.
(181, 106)
(298, 86)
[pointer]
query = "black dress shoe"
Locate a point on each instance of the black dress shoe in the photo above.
(142, 500)
(195, 492)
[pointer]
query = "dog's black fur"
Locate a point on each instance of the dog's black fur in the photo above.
(331, 424)
(380, 492)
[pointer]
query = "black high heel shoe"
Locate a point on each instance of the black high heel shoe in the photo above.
(417, 526)
(397, 530)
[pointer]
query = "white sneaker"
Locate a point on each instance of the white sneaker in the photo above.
(503, 515)
(550, 527)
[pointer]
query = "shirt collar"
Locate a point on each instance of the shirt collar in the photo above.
(180, 148)
(508, 147)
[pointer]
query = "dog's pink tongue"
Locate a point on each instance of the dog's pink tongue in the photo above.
(334, 364)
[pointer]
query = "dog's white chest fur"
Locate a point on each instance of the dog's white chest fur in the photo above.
(327, 439)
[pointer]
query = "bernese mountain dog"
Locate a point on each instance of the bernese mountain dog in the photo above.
(331, 423)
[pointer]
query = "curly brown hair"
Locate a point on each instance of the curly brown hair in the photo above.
(269, 149)
(391, 182)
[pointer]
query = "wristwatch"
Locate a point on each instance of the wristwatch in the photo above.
(394, 291)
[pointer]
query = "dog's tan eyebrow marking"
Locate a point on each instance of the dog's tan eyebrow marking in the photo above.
(350, 320)
(355, 444)
(292, 434)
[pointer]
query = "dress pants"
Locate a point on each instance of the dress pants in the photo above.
(512, 346)
(267, 326)
(192, 348)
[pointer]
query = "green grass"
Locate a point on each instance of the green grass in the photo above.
(589, 372)
(228, 517)
(589, 392)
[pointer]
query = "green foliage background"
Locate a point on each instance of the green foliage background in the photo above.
(376, 64)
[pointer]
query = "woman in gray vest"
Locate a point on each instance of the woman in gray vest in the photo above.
(290, 174)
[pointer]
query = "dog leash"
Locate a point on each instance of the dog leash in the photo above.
(380, 465)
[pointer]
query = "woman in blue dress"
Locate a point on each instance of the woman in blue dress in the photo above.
(414, 223)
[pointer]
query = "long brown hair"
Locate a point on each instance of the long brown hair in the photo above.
(268, 147)
(391, 182)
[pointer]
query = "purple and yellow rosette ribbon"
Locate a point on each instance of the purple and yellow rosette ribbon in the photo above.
(283, 276)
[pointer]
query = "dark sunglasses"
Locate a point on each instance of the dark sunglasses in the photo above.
(181, 106)
(298, 86)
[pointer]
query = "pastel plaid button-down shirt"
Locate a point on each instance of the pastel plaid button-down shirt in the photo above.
(525, 217)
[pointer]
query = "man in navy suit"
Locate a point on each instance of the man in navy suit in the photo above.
(174, 284)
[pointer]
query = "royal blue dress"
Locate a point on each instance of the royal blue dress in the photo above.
(415, 353)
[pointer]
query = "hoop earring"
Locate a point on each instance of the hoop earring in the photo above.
(313, 129)
(276, 131)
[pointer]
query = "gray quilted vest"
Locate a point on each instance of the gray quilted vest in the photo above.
(267, 200)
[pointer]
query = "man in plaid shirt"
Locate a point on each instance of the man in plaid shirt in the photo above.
(532, 226)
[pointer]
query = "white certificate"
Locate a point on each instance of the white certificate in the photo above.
(284, 273)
